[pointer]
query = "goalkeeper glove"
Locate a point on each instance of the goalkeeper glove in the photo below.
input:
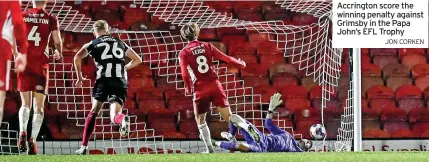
(275, 101)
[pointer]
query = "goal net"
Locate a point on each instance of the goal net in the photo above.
(307, 46)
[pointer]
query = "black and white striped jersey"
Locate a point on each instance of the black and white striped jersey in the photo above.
(109, 56)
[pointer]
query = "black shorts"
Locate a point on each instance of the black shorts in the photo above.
(110, 89)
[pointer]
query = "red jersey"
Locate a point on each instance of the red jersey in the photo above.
(196, 62)
(11, 25)
(40, 24)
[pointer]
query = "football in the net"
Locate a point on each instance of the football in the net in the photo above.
(317, 131)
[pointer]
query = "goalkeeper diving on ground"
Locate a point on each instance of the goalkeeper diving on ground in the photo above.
(278, 141)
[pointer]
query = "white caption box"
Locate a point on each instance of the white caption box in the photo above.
(360, 27)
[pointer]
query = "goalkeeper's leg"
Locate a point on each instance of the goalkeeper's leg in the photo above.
(243, 147)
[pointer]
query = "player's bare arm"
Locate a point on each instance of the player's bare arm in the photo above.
(228, 59)
(58, 43)
(81, 54)
(185, 74)
(135, 59)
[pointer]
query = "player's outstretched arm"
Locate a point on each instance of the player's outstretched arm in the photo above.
(135, 59)
(58, 42)
(19, 27)
(185, 73)
(230, 60)
(82, 53)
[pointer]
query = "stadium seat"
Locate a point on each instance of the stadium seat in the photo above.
(268, 48)
(216, 127)
(343, 92)
(228, 31)
(304, 119)
(265, 91)
(189, 129)
(254, 81)
(162, 82)
(376, 133)
(148, 93)
(379, 91)
(219, 45)
(207, 34)
(317, 92)
(249, 16)
(294, 104)
(368, 82)
(382, 61)
(254, 70)
(55, 132)
(141, 70)
(408, 91)
(369, 119)
(276, 15)
(283, 80)
(332, 127)
(148, 104)
(308, 82)
(403, 133)
(271, 59)
(411, 60)
(410, 51)
(303, 19)
(383, 52)
(396, 70)
(395, 82)
(370, 70)
(409, 103)
(424, 134)
(330, 104)
(420, 70)
(180, 103)
(282, 68)
(228, 40)
(422, 82)
(393, 119)
(420, 127)
(241, 48)
(294, 92)
(418, 114)
(257, 38)
(162, 126)
(381, 103)
(224, 7)
(251, 59)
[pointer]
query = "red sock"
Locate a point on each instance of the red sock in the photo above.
(118, 118)
(89, 127)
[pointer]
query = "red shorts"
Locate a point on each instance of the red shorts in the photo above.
(5, 70)
(212, 92)
(33, 79)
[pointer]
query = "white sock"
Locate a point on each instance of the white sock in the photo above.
(24, 114)
(1, 115)
(205, 132)
(217, 143)
(37, 123)
(243, 125)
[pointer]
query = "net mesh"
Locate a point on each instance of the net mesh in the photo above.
(308, 46)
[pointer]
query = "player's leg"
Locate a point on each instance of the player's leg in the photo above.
(221, 101)
(269, 124)
(2, 98)
(38, 115)
(246, 126)
(89, 125)
(98, 98)
(200, 109)
(243, 147)
(24, 115)
(117, 117)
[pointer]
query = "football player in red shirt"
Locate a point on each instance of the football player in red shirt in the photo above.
(33, 82)
(198, 73)
(11, 27)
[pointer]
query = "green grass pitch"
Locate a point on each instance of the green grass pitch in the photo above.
(228, 157)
